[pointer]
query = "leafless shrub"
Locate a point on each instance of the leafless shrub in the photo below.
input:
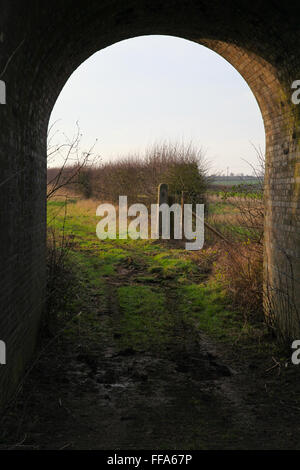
(58, 247)
(240, 264)
(182, 167)
(75, 169)
(240, 269)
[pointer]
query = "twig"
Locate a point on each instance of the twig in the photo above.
(213, 229)
(277, 364)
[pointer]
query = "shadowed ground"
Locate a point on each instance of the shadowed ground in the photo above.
(145, 352)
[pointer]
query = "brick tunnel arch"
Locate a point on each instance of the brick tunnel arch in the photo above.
(50, 41)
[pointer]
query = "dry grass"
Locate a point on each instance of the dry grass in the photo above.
(64, 192)
(137, 176)
(239, 266)
(240, 269)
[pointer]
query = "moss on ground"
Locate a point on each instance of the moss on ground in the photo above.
(145, 321)
(153, 272)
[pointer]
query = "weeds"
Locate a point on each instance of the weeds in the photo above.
(58, 274)
(240, 270)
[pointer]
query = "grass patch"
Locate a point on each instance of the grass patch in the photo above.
(147, 318)
(171, 264)
(207, 307)
(145, 321)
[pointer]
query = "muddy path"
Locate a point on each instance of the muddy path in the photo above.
(187, 392)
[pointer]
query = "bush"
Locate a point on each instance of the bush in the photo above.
(182, 167)
(240, 269)
(58, 282)
(84, 183)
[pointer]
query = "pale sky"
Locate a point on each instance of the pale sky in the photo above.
(160, 88)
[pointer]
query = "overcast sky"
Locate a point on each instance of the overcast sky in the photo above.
(155, 88)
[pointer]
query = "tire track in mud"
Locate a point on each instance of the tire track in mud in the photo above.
(188, 383)
(183, 396)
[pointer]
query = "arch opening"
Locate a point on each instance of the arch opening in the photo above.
(49, 43)
(171, 90)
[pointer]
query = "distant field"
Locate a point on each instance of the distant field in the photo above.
(234, 182)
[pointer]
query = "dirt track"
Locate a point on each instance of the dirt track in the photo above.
(191, 394)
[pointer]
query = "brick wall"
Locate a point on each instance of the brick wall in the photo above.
(42, 43)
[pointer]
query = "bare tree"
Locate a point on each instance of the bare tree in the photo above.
(74, 160)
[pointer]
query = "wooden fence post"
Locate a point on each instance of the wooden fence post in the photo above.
(162, 198)
(171, 201)
(182, 214)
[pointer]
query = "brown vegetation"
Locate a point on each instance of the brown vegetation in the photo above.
(182, 167)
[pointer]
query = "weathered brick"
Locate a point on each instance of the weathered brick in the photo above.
(45, 41)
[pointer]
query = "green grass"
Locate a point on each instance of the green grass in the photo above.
(220, 207)
(145, 321)
(208, 307)
(161, 290)
(171, 264)
(235, 182)
(250, 193)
